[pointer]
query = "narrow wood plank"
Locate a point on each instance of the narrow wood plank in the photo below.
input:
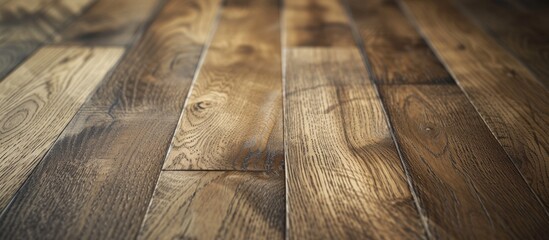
(233, 117)
(512, 103)
(344, 176)
(97, 180)
(110, 22)
(216, 205)
(27, 24)
(523, 34)
(38, 100)
(318, 23)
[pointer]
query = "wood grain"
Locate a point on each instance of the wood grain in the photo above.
(344, 176)
(27, 24)
(233, 117)
(38, 100)
(512, 103)
(317, 23)
(110, 22)
(97, 180)
(525, 35)
(216, 205)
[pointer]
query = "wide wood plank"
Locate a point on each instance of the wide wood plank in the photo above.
(233, 117)
(514, 105)
(317, 23)
(97, 180)
(38, 100)
(344, 176)
(523, 34)
(216, 205)
(27, 24)
(110, 22)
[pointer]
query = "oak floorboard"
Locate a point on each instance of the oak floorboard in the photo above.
(27, 24)
(344, 176)
(38, 100)
(514, 105)
(233, 116)
(216, 205)
(97, 180)
(110, 23)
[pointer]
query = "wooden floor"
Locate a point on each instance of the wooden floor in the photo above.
(271, 119)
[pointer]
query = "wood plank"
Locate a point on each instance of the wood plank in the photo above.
(344, 176)
(216, 205)
(97, 180)
(523, 34)
(512, 103)
(27, 24)
(110, 22)
(317, 23)
(233, 117)
(38, 100)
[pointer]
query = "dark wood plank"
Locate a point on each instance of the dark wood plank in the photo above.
(319, 23)
(523, 34)
(514, 105)
(97, 180)
(216, 205)
(233, 117)
(27, 24)
(110, 22)
(38, 100)
(344, 175)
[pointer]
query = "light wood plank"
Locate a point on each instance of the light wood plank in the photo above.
(344, 176)
(98, 179)
(510, 100)
(27, 24)
(216, 205)
(38, 100)
(110, 22)
(233, 117)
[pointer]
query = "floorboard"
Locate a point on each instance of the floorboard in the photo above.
(511, 101)
(98, 179)
(216, 205)
(233, 116)
(38, 100)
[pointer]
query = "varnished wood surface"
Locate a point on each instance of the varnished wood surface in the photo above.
(216, 205)
(514, 105)
(233, 116)
(98, 179)
(38, 100)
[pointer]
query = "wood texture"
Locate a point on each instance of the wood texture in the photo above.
(38, 100)
(27, 24)
(98, 179)
(216, 205)
(317, 23)
(512, 103)
(525, 35)
(110, 22)
(233, 117)
(344, 176)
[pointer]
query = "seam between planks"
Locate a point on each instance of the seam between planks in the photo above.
(360, 44)
(414, 23)
(283, 44)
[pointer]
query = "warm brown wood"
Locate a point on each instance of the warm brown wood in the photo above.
(27, 24)
(38, 100)
(317, 23)
(510, 100)
(97, 180)
(523, 34)
(344, 176)
(233, 117)
(216, 205)
(110, 22)
(397, 52)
